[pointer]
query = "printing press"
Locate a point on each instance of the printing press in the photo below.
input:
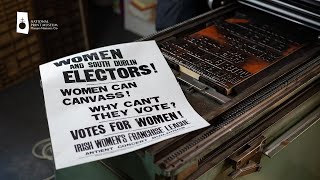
(251, 69)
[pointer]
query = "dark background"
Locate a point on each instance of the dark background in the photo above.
(22, 115)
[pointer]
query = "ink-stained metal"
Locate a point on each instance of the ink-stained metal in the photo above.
(231, 50)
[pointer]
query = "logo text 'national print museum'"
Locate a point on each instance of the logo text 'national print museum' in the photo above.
(23, 24)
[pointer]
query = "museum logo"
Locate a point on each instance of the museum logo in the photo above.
(22, 22)
(35, 24)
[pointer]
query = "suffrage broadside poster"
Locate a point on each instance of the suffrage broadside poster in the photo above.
(113, 100)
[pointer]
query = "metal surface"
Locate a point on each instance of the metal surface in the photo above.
(191, 23)
(246, 112)
(294, 132)
(116, 172)
(202, 88)
(309, 15)
(288, 113)
(200, 103)
(251, 167)
(231, 50)
(248, 159)
(251, 150)
(293, 70)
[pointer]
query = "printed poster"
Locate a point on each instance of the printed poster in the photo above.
(113, 100)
